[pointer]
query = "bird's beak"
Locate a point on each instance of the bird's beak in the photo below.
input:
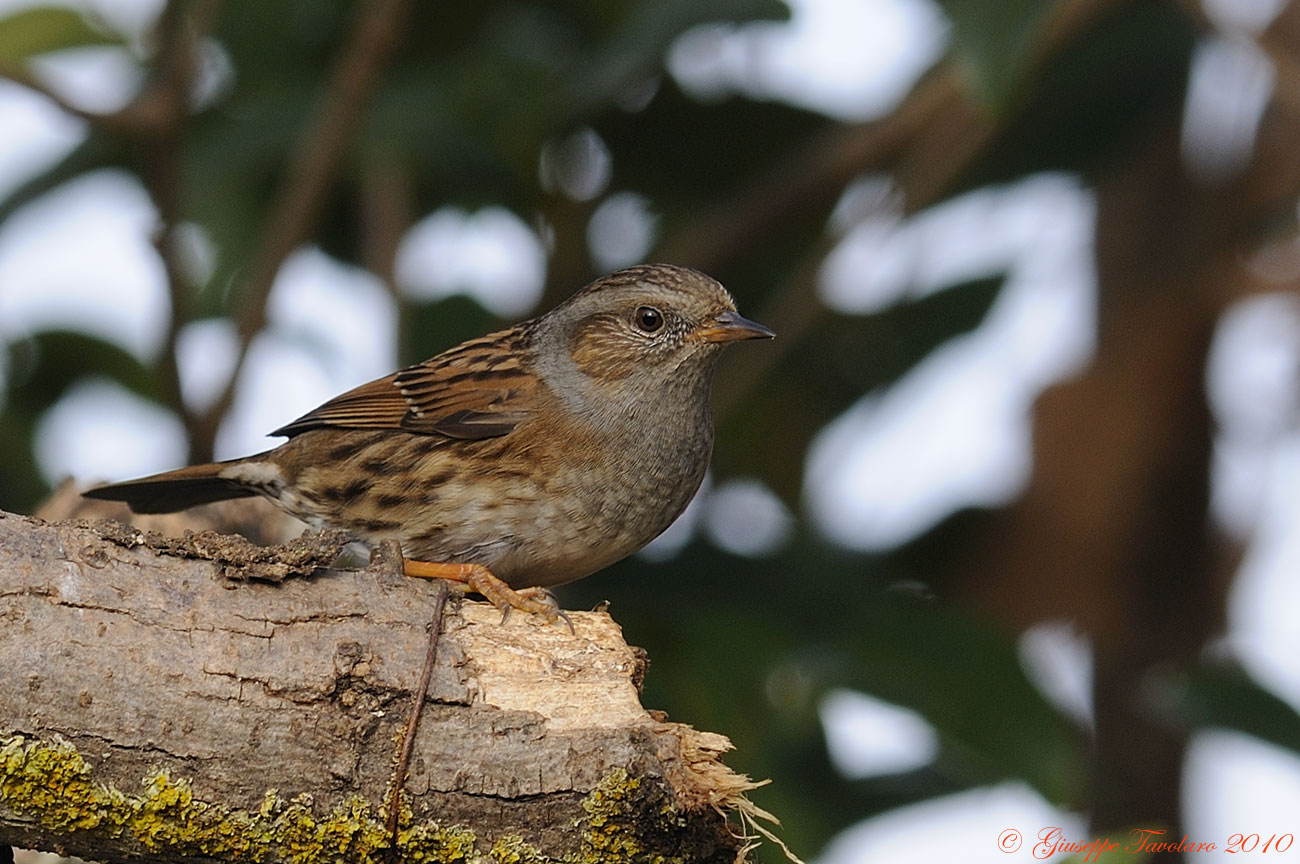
(729, 326)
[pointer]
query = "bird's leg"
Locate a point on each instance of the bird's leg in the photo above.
(480, 580)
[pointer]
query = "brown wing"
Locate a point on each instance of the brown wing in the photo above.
(476, 390)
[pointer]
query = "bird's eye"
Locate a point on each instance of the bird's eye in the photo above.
(648, 318)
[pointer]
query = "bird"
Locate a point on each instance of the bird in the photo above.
(513, 462)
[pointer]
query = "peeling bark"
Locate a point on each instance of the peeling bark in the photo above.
(151, 705)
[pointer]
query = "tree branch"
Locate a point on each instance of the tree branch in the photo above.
(179, 29)
(149, 706)
(311, 172)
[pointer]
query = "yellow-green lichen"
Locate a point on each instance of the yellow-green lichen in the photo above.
(55, 782)
(513, 849)
(606, 832)
(610, 834)
(52, 782)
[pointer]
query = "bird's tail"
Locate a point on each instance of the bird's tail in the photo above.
(198, 484)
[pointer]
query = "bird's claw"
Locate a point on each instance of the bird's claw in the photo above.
(479, 579)
(537, 601)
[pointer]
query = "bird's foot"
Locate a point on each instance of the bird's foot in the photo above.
(480, 580)
(544, 599)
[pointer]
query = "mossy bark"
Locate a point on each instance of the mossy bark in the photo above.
(151, 706)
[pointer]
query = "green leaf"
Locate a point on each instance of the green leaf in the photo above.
(965, 676)
(994, 40)
(43, 366)
(97, 152)
(431, 327)
(690, 152)
(37, 31)
(1085, 107)
(1227, 697)
(21, 484)
(39, 371)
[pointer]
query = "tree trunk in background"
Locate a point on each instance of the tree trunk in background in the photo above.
(1114, 532)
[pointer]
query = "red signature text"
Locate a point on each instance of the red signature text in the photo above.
(1052, 840)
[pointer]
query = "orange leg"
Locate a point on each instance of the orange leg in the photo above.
(480, 580)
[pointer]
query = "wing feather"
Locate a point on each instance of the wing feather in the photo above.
(479, 389)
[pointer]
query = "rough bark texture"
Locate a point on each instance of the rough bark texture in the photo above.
(151, 705)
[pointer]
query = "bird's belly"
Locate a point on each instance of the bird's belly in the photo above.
(536, 538)
(530, 526)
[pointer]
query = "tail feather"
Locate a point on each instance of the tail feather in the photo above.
(186, 487)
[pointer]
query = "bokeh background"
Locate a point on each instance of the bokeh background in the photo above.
(1001, 530)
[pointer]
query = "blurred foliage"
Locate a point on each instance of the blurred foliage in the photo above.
(33, 32)
(460, 112)
(995, 41)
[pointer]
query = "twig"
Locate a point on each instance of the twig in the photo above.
(312, 170)
(386, 206)
(15, 74)
(808, 179)
(413, 719)
(180, 27)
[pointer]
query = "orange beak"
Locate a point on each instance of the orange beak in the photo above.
(730, 327)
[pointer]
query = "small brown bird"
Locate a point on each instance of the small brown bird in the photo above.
(522, 459)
